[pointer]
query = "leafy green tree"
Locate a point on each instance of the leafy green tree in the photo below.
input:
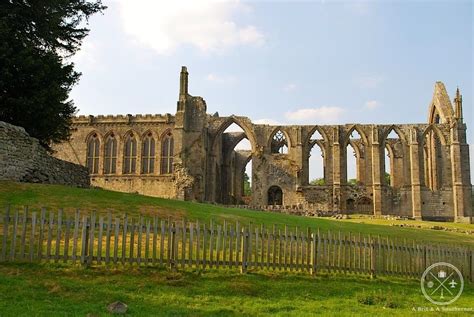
(318, 182)
(352, 181)
(36, 38)
(387, 178)
(247, 185)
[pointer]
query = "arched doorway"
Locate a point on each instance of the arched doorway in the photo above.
(275, 196)
(232, 151)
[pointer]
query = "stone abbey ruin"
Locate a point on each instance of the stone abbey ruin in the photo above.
(190, 156)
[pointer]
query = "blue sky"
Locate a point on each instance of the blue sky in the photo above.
(300, 62)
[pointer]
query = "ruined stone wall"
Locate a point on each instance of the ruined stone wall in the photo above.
(23, 159)
(429, 162)
(140, 126)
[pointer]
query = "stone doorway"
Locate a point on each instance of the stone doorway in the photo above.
(275, 196)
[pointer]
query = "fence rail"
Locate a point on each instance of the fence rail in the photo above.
(108, 239)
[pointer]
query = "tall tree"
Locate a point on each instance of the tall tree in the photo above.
(36, 38)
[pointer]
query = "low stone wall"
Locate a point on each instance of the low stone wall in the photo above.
(23, 159)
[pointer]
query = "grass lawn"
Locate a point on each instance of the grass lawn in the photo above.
(69, 198)
(50, 290)
(38, 289)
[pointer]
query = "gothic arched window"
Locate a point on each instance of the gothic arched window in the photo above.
(92, 161)
(279, 143)
(148, 155)
(167, 153)
(110, 158)
(130, 155)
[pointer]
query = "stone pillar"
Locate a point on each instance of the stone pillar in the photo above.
(415, 174)
(337, 165)
(139, 155)
(101, 156)
(299, 158)
(462, 211)
(376, 173)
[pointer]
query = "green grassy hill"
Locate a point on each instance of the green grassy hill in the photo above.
(69, 198)
(42, 289)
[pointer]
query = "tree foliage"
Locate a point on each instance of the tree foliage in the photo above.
(318, 182)
(36, 38)
(247, 185)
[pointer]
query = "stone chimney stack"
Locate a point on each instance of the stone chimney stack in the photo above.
(183, 82)
(458, 105)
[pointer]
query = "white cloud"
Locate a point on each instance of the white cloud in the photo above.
(290, 87)
(372, 104)
(267, 121)
(220, 78)
(208, 25)
(321, 115)
(87, 56)
(369, 81)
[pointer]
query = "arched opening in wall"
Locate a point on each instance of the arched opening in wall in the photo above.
(148, 154)
(234, 183)
(247, 183)
(167, 154)
(392, 170)
(110, 158)
(364, 206)
(130, 154)
(275, 196)
(92, 159)
(353, 155)
(279, 143)
(316, 166)
(432, 160)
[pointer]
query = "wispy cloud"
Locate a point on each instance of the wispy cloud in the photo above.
(372, 81)
(208, 25)
(372, 104)
(321, 115)
(290, 87)
(267, 121)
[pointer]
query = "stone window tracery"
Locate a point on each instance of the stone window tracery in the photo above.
(93, 146)
(279, 143)
(167, 153)
(130, 155)
(148, 155)
(110, 158)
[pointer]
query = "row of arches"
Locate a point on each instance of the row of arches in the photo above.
(228, 182)
(395, 165)
(131, 153)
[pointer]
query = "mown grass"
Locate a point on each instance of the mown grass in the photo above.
(56, 290)
(69, 198)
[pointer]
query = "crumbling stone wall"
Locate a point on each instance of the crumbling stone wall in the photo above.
(23, 159)
(430, 173)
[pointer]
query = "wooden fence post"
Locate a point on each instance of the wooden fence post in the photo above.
(84, 238)
(313, 254)
(172, 259)
(373, 264)
(424, 257)
(244, 252)
(471, 265)
(5, 233)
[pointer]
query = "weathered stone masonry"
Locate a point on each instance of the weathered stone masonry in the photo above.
(23, 159)
(190, 156)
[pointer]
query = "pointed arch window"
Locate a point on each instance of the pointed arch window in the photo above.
(167, 153)
(148, 154)
(110, 158)
(130, 155)
(279, 143)
(92, 161)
